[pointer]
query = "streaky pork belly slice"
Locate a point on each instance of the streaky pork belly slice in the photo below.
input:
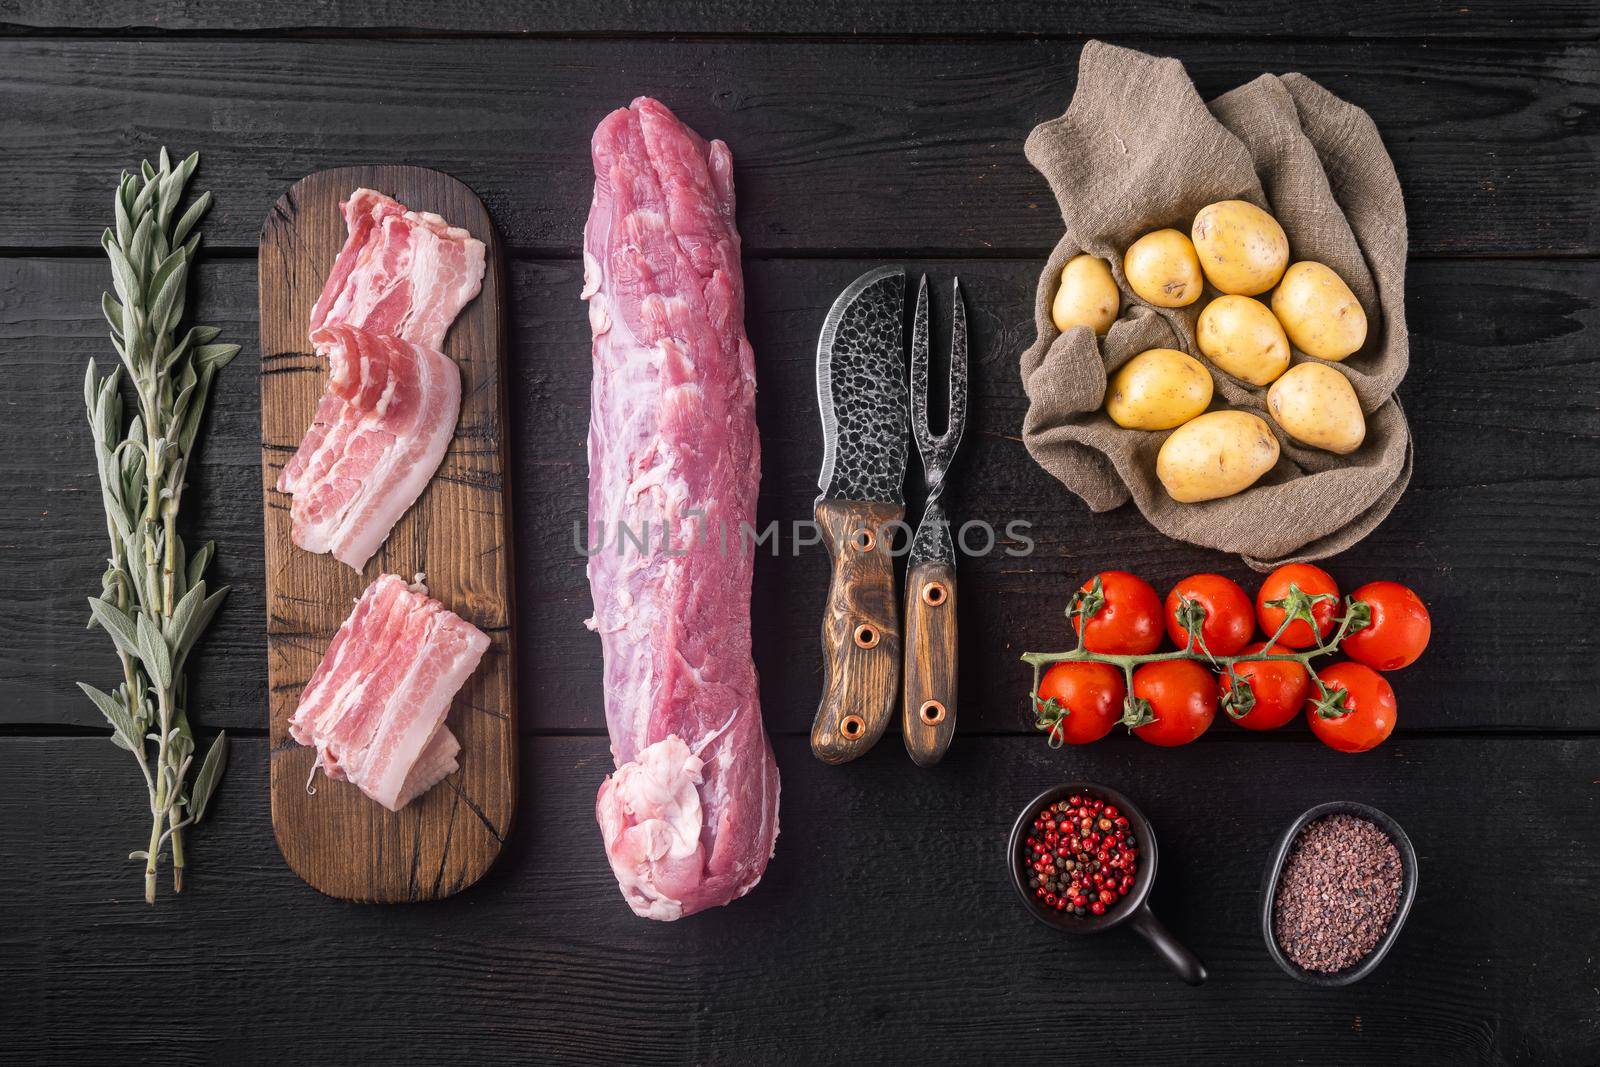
(690, 815)
(375, 707)
(403, 273)
(380, 431)
(448, 656)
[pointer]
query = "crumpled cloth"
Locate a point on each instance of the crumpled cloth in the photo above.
(1138, 150)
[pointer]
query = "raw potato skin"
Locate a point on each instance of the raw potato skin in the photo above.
(1319, 312)
(1088, 296)
(1163, 269)
(1242, 248)
(1216, 455)
(1317, 406)
(1157, 390)
(1242, 337)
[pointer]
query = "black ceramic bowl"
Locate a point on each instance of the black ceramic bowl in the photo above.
(1280, 855)
(1132, 909)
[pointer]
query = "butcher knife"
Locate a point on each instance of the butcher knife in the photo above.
(862, 393)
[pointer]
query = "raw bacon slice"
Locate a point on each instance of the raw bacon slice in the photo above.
(375, 707)
(691, 814)
(380, 431)
(402, 273)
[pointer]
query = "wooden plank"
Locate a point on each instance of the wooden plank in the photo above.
(1564, 19)
(1501, 512)
(456, 534)
(887, 882)
(841, 146)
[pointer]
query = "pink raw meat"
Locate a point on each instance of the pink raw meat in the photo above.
(379, 433)
(402, 273)
(691, 814)
(374, 709)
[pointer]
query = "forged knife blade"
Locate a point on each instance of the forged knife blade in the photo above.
(862, 393)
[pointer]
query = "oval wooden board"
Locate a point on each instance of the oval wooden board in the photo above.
(457, 534)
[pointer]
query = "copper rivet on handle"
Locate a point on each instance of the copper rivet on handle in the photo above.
(932, 712)
(852, 726)
(933, 594)
(867, 635)
(864, 540)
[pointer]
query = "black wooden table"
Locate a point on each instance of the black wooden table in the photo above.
(885, 928)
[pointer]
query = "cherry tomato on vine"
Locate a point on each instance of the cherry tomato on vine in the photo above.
(1090, 693)
(1279, 686)
(1128, 623)
(1312, 581)
(1361, 710)
(1183, 699)
(1399, 629)
(1230, 617)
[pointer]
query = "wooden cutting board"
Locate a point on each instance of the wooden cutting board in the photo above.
(458, 534)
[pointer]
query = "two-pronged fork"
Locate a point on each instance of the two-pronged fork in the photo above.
(929, 707)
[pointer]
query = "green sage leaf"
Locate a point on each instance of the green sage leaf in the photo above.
(122, 276)
(125, 732)
(200, 561)
(177, 627)
(215, 356)
(210, 773)
(167, 289)
(201, 205)
(153, 652)
(124, 634)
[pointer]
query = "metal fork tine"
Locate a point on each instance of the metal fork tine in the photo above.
(919, 371)
(958, 368)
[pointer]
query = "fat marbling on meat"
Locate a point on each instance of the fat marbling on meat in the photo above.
(381, 429)
(403, 273)
(690, 815)
(389, 410)
(375, 707)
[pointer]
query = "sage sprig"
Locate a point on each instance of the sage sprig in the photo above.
(153, 600)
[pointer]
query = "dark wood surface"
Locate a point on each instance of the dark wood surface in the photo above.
(1557, 19)
(861, 134)
(456, 535)
(854, 145)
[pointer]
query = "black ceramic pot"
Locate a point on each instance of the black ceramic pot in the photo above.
(1280, 855)
(1133, 909)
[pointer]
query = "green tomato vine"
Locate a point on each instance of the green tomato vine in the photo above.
(1237, 697)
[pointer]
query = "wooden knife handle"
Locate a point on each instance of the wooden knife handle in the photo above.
(930, 697)
(860, 630)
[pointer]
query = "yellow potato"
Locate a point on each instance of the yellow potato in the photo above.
(1242, 248)
(1088, 296)
(1157, 390)
(1317, 406)
(1241, 336)
(1216, 455)
(1163, 269)
(1319, 312)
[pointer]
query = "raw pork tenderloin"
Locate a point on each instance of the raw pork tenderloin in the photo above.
(691, 814)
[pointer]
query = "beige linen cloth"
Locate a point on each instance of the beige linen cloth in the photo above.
(1139, 150)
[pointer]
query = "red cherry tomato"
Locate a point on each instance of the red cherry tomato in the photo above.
(1091, 693)
(1183, 698)
(1230, 617)
(1129, 622)
(1280, 688)
(1311, 581)
(1399, 629)
(1367, 704)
